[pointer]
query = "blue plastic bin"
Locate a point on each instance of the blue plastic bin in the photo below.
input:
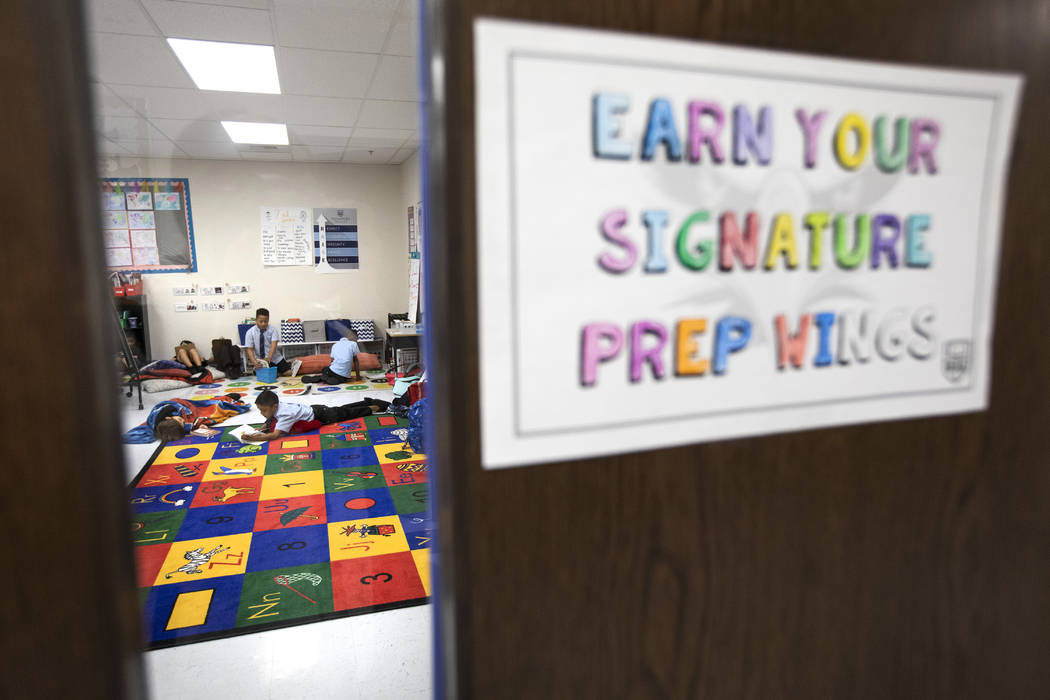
(267, 374)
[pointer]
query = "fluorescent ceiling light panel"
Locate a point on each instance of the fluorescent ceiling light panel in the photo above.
(216, 65)
(257, 132)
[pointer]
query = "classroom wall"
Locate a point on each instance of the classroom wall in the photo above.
(411, 182)
(226, 197)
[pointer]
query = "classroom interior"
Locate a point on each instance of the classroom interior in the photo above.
(349, 100)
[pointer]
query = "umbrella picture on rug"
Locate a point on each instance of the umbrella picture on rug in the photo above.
(297, 513)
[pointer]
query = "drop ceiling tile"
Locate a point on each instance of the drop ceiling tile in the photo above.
(404, 33)
(201, 149)
(137, 60)
(339, 26)
(119, 17)
(372, 156)
(108, 104)
(245, 106)
(316, 154)
(152, 149)
(191, 20)
(387, 114)
(370, 138)
(256, 4)
(330, 111)
(395, 79)
(331, 136)
(412, 140)
(105, 147)
(324, 73)
(402, 155)
(164, 103)
(129, 129)
(192, 130)
(266, 155)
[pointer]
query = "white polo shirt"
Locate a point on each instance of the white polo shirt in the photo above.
(288, 414)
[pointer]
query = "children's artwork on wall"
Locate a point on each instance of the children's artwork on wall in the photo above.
(212, 291)
(188, 306)
(335, 240)
(111, 201)
(141, 219)
(115, 219)
(214, 306)
(184, 291)
(166, 201)
(236, 289)
(145, 256)
(244, 304)
(154, 206)
(118, 257)
(116, 238)
(140, 200)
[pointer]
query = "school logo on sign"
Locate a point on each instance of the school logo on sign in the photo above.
(956, 359)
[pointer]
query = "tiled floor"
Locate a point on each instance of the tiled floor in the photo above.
(375, 656)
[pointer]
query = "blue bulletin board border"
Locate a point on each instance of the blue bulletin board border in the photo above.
(148, 183)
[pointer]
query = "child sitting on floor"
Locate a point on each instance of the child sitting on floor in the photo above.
(344, 357)
(287, 417)
(172, 419)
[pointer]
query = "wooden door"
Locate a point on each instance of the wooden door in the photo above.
(892, 560)
(69, 604)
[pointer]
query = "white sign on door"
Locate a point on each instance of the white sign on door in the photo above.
(679, 242)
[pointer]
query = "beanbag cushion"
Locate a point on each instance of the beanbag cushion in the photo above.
(154, 385)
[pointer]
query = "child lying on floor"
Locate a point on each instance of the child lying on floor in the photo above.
(172, 419)
(287, 417)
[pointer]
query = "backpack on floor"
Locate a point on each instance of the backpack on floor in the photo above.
(226, 357)
(416, 417)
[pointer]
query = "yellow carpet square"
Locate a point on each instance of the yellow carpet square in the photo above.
(396, 452)
(345, 540)
(235, 468)
(193, 560)
(291, 485)
(177, 454)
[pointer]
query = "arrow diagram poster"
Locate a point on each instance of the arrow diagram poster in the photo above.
(679, 242)
(335, 240)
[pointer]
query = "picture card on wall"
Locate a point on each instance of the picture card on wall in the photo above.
(166, 201)
(214, 306)
(117, 238)
(184, 291)
(141, 219)
(115, 219)
(140, 200)
(144, 238)
(236, 289)
(245, 304)
(211, 291)
(189, 306)
(146, 256)
(118, 257)
(112, 201)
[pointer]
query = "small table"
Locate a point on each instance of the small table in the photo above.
(402, 337)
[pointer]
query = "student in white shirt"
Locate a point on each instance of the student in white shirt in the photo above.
(261, 340)
(283, 417)
(344, 359)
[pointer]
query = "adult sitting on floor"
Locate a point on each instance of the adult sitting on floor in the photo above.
(172, 419)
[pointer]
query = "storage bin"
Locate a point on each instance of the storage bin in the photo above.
(313, 331)
(267, 374)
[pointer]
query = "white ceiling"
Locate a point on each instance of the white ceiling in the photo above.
(347, 70)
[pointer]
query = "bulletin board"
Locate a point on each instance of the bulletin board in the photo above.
(147, 225)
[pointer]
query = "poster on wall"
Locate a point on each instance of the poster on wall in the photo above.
(285, 236)
(742, 242)
(335, 240)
